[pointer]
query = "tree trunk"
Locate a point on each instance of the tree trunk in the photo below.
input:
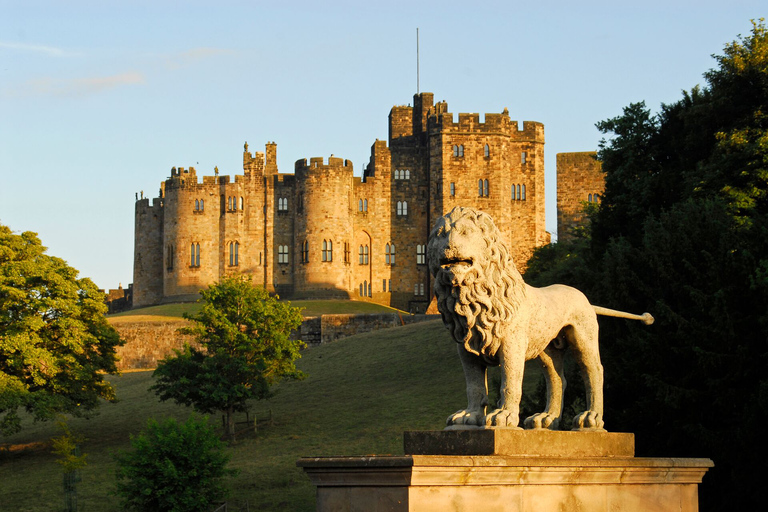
(230, 423)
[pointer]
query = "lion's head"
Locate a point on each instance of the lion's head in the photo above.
(477, 286)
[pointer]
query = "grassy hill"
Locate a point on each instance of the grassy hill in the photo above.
(309, 307)
(361, 394)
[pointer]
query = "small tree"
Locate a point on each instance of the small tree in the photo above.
(244, 335)
(67, 448)
(55, 343)
(173, 467)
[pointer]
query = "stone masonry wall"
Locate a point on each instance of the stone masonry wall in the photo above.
(579, 176)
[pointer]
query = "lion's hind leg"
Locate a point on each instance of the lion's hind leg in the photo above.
(583, 342)
(552, 361)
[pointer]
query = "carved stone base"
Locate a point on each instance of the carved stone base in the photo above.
(520, 482)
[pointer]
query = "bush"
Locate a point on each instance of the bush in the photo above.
(173, 467)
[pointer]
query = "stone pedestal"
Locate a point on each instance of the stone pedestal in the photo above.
(509, 470)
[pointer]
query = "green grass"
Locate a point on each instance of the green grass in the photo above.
(362, 392)
(311, 308)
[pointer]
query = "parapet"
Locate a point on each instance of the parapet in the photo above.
(319, 163)
(494, 123)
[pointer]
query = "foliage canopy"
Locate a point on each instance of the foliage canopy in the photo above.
(173, 467)
(682, 232)
(55, 343)
(245, 347)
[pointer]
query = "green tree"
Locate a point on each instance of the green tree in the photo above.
(683, 232)
(67, 447)
(245, 348)
(55, 343)
(173, 467)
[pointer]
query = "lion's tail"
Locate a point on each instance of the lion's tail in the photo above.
(646, 318)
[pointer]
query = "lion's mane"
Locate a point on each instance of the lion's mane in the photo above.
(476, 309)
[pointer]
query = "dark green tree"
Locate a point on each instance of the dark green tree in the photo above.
(55, 343)
(245, 347)
(683, 232)
(173, 467)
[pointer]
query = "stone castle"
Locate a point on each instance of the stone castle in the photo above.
(323, 232)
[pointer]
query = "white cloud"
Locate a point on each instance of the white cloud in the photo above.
(77, 86)
(36, 48)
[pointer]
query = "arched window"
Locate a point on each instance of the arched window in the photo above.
(365, 205)
(361, 289)
(522, 198)
(234, 249)
(365, 288)
(365, 255)
(229, 203)
(589, 198)
(487, 151)
(480, 188)
(461, 149)
(486, 192)
(519, 195)
(407, 174)
(197, 205)
(327, 254)
(242, 203)
(202, 205)
(397, 174)
(455, 150)
(386, 254)
(305, 252)
(359, 205)
(392, 254)
(402, 207)
(453, 189)
(194, 255)
(596, 197)
(383, 285)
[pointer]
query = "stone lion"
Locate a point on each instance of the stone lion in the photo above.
(497, 319)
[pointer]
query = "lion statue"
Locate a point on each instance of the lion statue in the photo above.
(497, 319)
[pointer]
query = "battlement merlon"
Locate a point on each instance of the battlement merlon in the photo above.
(496, 124)
(143, 206)
(260, 163)
(334, 163)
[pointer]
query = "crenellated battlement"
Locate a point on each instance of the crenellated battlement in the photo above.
(320, 164)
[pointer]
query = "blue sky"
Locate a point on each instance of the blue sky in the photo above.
(99, 99)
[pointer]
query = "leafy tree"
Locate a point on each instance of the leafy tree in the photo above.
(173, 467)
(683, 232)
(71, 460)
(55, 343)
(245, 348)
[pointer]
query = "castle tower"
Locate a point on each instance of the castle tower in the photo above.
(323, 228)
(148, 252)
(580, 180)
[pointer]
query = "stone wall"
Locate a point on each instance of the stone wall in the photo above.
(580, 179)
(147, 342)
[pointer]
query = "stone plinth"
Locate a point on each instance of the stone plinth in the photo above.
(524, 481)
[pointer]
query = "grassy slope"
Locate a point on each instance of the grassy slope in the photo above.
(361, 394)
(310, 308)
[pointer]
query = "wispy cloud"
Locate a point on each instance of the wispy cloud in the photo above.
(189, 57)
(35, 48)
(77, 86)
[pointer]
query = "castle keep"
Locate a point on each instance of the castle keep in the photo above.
(323, 232)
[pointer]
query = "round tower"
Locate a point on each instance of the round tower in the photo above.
(323, 229)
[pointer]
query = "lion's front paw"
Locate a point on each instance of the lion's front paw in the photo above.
(465, 417)
(542, 420)
(502, 418)
(588, 420)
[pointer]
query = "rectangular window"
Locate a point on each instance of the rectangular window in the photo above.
(421, 254)
(453, 189)
(383, 285)
(523, 157)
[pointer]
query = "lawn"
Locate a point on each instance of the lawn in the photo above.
(310, 308)
(361, 393)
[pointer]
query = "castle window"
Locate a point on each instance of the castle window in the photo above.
(421, 288)
(197, 204)
(589, 199)
(455, 150)
(194, 255)
(453, 189)
(359, 205)
(234, 250)
(282, 204)
(282, 254)
(418, 289)
(397, 174)
(407, 174)
(383, 285)
(389, 284)
(482, 188)
(421, 254)
(458, 150)
(365, 205)
(327, 250)
(461, 150)
(389, 254)
(487, 151)
(305, 252)
(402, 208)
(202, 205)
(523, 157)
(522, 197)
(361, 290)
(363, 255)
(346, 252)
(365, 288)
(229, 203)
(242, 203)
(402, 174)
